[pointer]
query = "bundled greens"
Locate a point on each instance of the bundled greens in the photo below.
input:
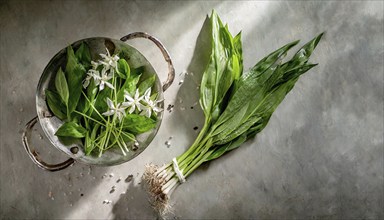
(104, 104)
(236, 105)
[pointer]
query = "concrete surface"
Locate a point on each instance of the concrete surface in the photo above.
(320, 157)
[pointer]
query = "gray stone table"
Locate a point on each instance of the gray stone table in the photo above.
(321, 155)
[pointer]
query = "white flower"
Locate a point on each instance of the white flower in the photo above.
(151, 104)
(92, 74)
(133, 102)
(118, 111)
(94, 64)
(109, 61)
(104, 79)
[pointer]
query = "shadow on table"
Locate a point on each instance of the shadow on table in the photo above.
(134, 204)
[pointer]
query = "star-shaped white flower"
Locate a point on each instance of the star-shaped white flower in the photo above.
(109, 61)
(92, 74)
(133, 102)
(105, 77)
(151, 104)
(118, 110)
(94, 64)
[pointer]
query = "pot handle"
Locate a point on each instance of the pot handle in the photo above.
(167, 57)
(35, 156)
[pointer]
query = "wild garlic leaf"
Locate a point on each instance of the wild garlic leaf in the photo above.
(219, 150)
(75, 79)
(62, 86)
(55, 104)
(129, 85)
(71, 129)
(251, 84)
(90, 146)
(221, 70)
(137, 71)
(123, 69)
(271, 91)
(138, 124)
(101, 101)
(83, 55)
(127, 137)
(147, 83)
(71, 60)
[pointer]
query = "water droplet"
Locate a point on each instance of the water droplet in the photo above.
(79, 189)
(94, 177)
(168, 143)
(103, 176)
(113, 187)
(118, 180)
(19, 122)
(81, 174)
(70, 204)
(112, 191)
(70, 193)
(182, 108)
(21, 109)
(53, 198)
(122, 193)
(111, 175)
(181, 81)
(64, 193)
(13, 91)
(40, 137)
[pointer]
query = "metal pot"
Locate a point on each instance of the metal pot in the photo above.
(50, 123)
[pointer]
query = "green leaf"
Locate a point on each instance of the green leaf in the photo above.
(221, 149)
(154, 96)
(90, 145)
(223, 68)
(137, 124)
(62, 86)
(83, 54)
(127, 137)
(123, 69)
(130, 84)
(55, 104)
(137, 71)
(71, 129)
(252, 85)
(71, 60)
(146, 84)
(101, 101)
(75, 79)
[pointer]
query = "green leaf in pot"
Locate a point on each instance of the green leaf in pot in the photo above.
(62, 86)
(138, 123)
(55, 104)
(83, 55)
(71, 129)
(123, 69)
(146, 84)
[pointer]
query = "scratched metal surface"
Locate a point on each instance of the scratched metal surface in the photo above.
(321, 155)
